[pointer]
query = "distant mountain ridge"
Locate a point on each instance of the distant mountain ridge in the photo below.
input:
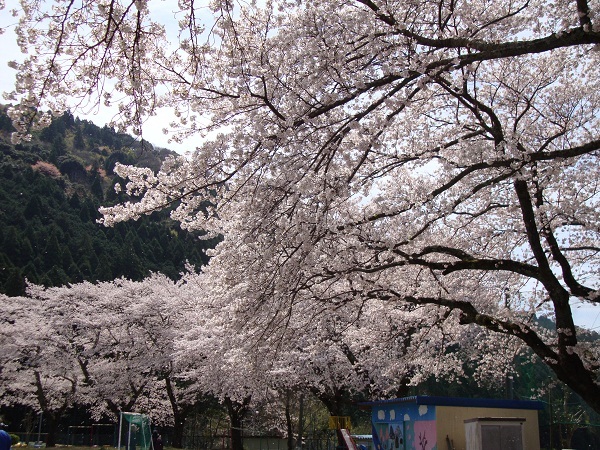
(50, 191)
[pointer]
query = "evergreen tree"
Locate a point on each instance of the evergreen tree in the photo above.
(78, 140)
(15, 283)
(103, 270)
(59, 148)
(30, 273)
(48, 229)
(97, 189)
(53, 252)
(155, 250)
(107, 135)
(33, 208)
(67, 258)
(74, 274)
(74, 170)
(67, 120)
(84, 268)
(56, 276)
(12, 244)
(84, 214)
(74, 202)
(5, 123)
(26, 250)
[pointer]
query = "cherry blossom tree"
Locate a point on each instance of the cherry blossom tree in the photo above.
(106, 346)
(130, 329)
(39, 369)
(411, 152)
(340, 353)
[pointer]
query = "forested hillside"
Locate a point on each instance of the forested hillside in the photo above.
(50, 191)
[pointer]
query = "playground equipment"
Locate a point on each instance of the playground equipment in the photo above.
(134, 431)
(342, 426)
(345, 437)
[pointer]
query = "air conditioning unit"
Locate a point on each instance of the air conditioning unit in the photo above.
(494, 433)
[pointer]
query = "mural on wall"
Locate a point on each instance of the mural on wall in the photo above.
(408, 427)
(390, 436)
(424, 437)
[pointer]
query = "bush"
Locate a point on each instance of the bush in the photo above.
(14, 439)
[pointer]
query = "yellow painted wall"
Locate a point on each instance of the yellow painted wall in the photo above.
(451, 422)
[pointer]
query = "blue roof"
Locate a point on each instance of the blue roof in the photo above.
(460, 401)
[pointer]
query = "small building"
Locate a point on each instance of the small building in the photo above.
(447, 423)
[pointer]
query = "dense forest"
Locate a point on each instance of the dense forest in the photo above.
(50, 191)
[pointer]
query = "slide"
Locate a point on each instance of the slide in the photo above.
(347, 439)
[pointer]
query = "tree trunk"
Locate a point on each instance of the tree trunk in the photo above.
(178, 427)
(180, 414)
(237, 411)
(288, 420)
(335, 401)
(51, 424)
(51, 416)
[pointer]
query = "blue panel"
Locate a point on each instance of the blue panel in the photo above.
(459, 401)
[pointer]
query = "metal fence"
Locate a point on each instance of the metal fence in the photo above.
(105, 435)
(97, 435)
(201, 442)
(578, 436)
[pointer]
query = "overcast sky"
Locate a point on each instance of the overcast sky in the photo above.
(10, 51)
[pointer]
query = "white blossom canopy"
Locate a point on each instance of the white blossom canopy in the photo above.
(419, 152)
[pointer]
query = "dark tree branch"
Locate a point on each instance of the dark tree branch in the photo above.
(567, 365)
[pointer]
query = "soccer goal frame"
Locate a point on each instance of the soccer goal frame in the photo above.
(138, 431)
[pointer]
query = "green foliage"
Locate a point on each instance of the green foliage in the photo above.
(14, 439)
(117, 157)
(48, 229)
(78, 140)
(73, 169)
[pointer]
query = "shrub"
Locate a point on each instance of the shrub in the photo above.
(46, 169)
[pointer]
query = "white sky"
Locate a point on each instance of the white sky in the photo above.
(585, 314)
(152, 130)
